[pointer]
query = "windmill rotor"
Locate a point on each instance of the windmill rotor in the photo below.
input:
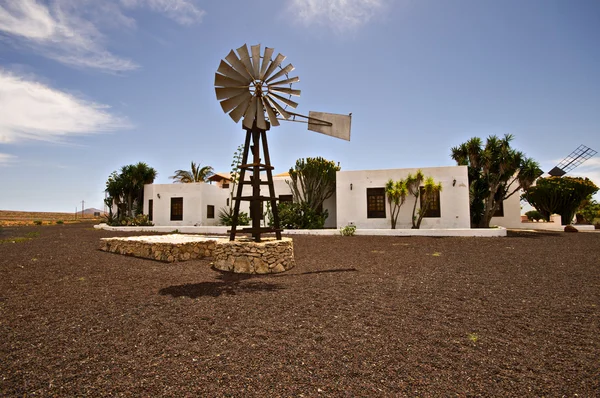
(250, 87)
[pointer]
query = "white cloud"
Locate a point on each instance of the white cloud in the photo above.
(6, 159)
(590, 169)
(339, 15)
(34, 111)
(184, 12)
(70, 32)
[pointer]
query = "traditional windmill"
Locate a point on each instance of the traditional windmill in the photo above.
(258, 90)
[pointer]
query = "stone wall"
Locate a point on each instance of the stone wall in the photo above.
(241, 256)
(161, 251)
(249, 257)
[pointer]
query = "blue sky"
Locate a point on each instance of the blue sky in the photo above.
(88, 86)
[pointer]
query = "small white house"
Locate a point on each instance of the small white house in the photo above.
(184, 204)
(359, 199)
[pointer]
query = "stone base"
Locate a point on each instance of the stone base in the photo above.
(242, 256)
(167, 248)
(245, 256)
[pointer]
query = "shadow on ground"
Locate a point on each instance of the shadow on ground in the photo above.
(218, 288)
(326, 271)
(533, 234)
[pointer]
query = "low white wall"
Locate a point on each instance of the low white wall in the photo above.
(476, 232)
(351, 191)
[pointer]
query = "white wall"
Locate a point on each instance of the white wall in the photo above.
(352, 203)
(196, 197)
(512, 213)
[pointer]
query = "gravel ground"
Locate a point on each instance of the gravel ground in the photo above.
(357, 316)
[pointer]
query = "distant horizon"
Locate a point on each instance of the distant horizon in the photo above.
(88, 210)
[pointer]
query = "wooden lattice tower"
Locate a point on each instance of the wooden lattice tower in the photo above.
(256, 136)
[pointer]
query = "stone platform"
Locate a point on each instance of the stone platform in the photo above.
(241, 256)
(245, 256)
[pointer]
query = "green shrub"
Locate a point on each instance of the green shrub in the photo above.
(60, 222)
(38, 222)
(141, 220)
(534, 215)
(348, 230)
(300, 216)
(19, 239)
(559, 195)
(226, 217)
(588, 211)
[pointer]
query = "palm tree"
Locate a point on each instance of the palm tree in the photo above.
(396, 193)
(413, 184)
(496, 172)
(143, 174)
(114, 191)
(126, 189)
(430, 190)
(196, 174)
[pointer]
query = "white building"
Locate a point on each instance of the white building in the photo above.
(359, 199)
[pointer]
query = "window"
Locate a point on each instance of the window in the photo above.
(225, 185)
(176, 209)
(500, 210)
(286, 198)
(150, 209)
(434, 204)
(210, 211)
(375, 202)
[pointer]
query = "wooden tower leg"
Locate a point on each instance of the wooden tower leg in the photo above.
(240, 186)
(273, 201)
(256, 201)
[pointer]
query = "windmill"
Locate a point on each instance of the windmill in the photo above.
(574, 159)
(258, 90)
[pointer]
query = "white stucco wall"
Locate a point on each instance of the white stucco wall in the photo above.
(352, 203)
(512, 213)
(196, 197)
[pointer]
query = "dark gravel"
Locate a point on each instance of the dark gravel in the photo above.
(358, 316)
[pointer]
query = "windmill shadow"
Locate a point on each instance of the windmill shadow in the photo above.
(227, 284)
(324, 271)
(538, 234)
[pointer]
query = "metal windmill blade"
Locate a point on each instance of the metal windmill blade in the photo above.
(249, 86)
(574, 159)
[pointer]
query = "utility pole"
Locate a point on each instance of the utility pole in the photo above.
(82, 207)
